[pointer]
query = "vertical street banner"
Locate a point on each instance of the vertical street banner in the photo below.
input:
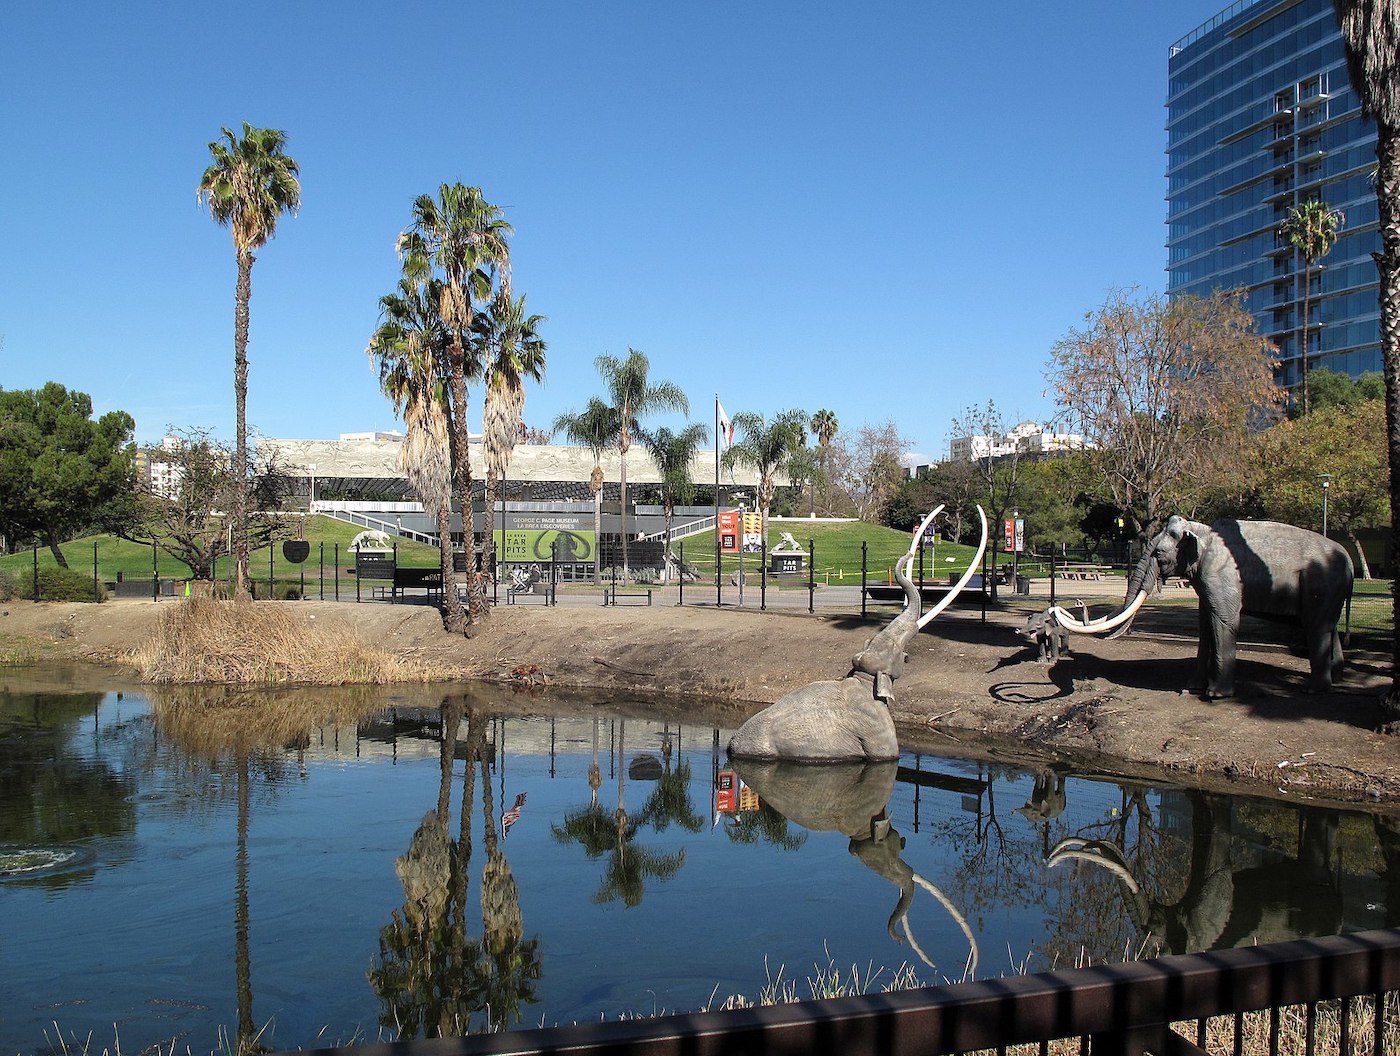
(753, 533)
(1015, 530)
(729, 531)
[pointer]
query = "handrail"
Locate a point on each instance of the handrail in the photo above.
(1124, 1008)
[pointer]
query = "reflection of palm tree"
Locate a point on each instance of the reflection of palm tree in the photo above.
(670, 800)
(764, 824)
(243, 967)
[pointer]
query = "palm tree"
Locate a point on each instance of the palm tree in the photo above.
(1371, 29)
(409, 347)
(1311, 229)
(464, 237)
(824, 425)
(514, 351)
(596, 428)
(673, 454)
(633, 395)
(766, 447)
(248, 187)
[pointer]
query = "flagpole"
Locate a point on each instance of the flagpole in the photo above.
(718, 599)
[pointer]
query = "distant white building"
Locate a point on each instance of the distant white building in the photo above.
(165, 475)
(1029, 438)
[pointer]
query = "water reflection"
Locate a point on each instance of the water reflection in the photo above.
(853, 799)
(433, 978)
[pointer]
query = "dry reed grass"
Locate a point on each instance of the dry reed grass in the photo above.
(203, 640)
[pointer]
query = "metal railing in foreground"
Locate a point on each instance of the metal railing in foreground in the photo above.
(1119, 1009)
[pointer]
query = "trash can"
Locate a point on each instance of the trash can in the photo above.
(1023, 584)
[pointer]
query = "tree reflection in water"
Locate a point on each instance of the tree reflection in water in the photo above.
(433, 978)
(630, 865)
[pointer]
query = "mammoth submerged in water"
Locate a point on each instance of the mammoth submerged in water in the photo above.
(849, 719)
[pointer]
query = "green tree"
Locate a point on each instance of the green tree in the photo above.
(1047, 503)
(824, 426)
(1346, 443)
(462, 237)
(1311, 229)
(249, 185)
(673, 454)
(1371, 30)
(1331, 388)
(766, 447)
(60, 471)
(634, 396)
(409, 347)
(596, 427)
(514, 351)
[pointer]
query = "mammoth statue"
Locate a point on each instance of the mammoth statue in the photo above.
(1252, 568)
(848, 719)
(853, 799)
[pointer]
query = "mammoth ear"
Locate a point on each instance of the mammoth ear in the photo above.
(1188, 551)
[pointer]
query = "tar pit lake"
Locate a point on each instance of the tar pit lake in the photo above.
(319, 867)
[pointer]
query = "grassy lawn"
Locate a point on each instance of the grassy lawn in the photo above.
(836, 552)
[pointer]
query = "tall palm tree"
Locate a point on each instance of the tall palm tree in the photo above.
(464, 237)
(596, 428)
(514, 351)
(766, 447)
(633, 396)
(409, 347)
(248, 186)
(673, 454)
(1311, 229)
(1371, 29)
(824, 425)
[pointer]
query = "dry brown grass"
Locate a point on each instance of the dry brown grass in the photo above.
(203, 640)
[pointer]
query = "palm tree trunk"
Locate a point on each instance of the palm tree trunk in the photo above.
(598, 536)
(1307, 289)
(622, 475)
(462, 477)
(454, 618)
(239, 504)
(1388, 265)
(488, 522)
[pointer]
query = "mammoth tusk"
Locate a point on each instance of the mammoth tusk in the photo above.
(958, 918)
(1106, 623)
(972, 567)
(1099, 852)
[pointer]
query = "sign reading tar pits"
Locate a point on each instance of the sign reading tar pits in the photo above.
(532, 537)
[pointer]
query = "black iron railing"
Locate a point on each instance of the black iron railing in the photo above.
(1120, 1010)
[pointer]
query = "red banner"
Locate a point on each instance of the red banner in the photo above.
(729, 532)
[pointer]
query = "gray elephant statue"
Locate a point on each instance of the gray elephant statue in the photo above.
(848, 719)
(1245, 568)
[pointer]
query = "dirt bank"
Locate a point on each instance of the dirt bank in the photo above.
(971, 688)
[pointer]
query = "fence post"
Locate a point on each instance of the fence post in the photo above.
(986, 587)
(811, 576)
(335, 553)
(321, 571)
(553, 571)
(680, 575)
(96, 589)
(36, 569)
(864, 564)
(155, 573)
(763, 573)
(271, 576)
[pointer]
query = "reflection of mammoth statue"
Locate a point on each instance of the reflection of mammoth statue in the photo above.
(1254, 568)
(1223, 907)
(848, 719)
(852, 799)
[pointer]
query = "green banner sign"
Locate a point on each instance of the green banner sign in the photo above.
(529, 545)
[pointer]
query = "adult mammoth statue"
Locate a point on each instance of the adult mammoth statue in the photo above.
(1254, 568)
(848, 719)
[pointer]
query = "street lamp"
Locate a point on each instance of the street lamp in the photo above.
(1326, 483)
(311, 494)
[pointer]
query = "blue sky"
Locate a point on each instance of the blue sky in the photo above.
(889, 210)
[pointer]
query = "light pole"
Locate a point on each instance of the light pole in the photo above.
(1326, 483)
(311, 493)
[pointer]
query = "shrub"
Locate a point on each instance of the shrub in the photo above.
(9, 585)
(64, 584)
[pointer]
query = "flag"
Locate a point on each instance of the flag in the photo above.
(511, 816)
(726, 427)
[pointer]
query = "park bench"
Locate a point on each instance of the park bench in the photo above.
(406, 579)
(611, 594)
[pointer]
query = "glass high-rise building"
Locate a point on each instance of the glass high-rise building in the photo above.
(1261, 117)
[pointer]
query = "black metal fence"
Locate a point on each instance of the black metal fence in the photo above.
(1118, 1010)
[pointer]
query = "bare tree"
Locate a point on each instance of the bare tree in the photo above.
(874, 472)
(997, 460)
(1165, 394)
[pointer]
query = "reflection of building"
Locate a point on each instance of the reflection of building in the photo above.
(1028, 438)
(1261, 117)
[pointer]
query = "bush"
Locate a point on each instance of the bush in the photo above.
(9, 585)
(63, 584)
